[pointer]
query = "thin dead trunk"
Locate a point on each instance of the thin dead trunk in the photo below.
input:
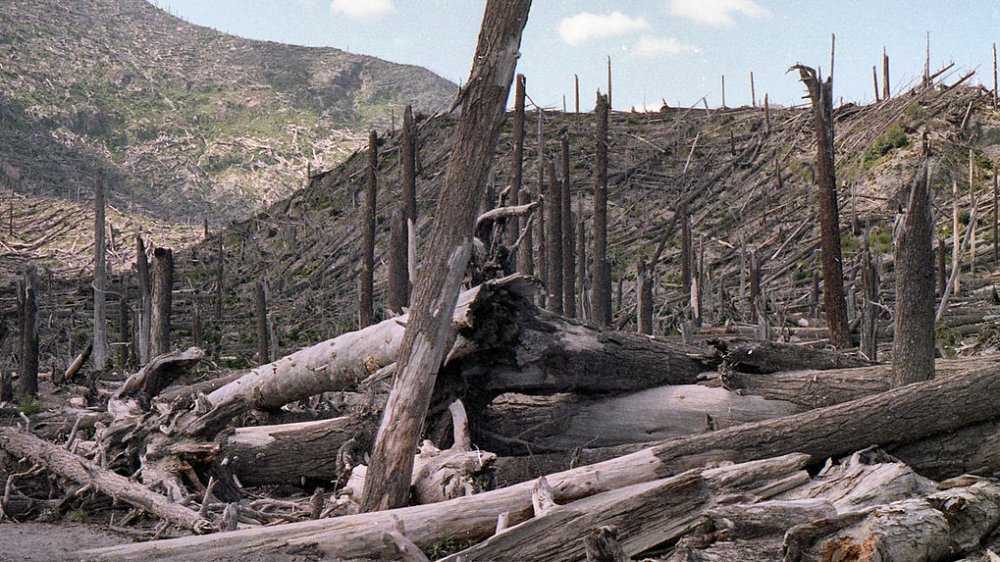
(146, 295)
(554, 242)
(366, 313)
(124, 331)
(162, 301)
(644, 299)
(429, 328)
(517, 165)
(569, 261)
(913, 346)
(27, 381)
(260, 314)
(100, 354)
(525, 250)
(834, 303)
(581, 264)
(601, 273)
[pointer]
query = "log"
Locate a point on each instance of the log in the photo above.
(67, 465)
(645, 515)
(897, 416)
(77, 363)
(461, 519)
(758, 356)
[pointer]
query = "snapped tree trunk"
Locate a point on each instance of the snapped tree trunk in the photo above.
(601, 273)
(27, 382)
(100, 354)
(644, 299)
(569, 262)
(913, 346)
(146, 296)
(554, 241)
(163, 285)
(429, 329)
(366, 305)
(399, 279)
(516, 166)
(260, 313)
(834, 303)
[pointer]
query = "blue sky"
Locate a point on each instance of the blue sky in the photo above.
(676, 50)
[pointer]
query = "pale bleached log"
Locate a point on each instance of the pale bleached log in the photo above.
(159, 373)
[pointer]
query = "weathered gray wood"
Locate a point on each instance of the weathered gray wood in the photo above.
(554, 242)
(63, 463)
(159, 373)
(759, 356)
(429, 329)
(260, 318)
(100, 353)
(366, 312)
(27, 372)
(568, 246)
(146, 297)
(516, 173)
(399, 278)
(162, 301)
(601, 269)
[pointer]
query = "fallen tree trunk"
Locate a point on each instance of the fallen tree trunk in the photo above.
(159, 373)
(760, 356)
(63, 463)
(897, 416)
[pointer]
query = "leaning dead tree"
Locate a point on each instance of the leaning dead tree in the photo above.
(100, 353)
(409, 166)
(601, 272)
(428, 332)
(913, 345)
(834, 303)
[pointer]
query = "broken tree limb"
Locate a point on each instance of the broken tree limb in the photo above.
(159, 373)
(64, 463)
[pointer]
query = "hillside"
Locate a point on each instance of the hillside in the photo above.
(307, 248)
(189, 121)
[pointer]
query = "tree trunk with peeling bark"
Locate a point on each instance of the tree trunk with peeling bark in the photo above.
(834, 303)
(483, 103)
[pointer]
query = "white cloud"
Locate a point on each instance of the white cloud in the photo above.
(717, 13)
(649, 46)
(366, 10)
(585, 26)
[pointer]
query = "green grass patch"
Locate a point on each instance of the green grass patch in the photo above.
(894, 137)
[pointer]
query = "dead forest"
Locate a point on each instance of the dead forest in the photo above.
(697, 334)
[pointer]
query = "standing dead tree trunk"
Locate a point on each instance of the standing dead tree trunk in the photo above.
(124, 332)
(913, 346)
(542, 251)
(686, 250)
(366, 305)
(409, 155)
(644, 298)
(886, 90)
(260, 313)
(834, 304)
(516, 166)
(601, 274)
(869, 314)
(145, 296)
(581, 262)
(429, 329)
(27, 382)
(554, 242)
(399, 280)
(100, 353)
(163, 284)
(569, 261)
(220, 280)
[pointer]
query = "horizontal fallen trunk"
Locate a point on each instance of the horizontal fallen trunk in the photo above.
(760, 356)
(644, 515)
(897, 416)
(63, 463)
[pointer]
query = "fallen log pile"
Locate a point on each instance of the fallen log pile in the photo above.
(591, 442)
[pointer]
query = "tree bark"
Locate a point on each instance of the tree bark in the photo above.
(756, 356)
(260, 315)
(644, 299)
(27, 372)
(366, 313)
(399, 280)
(569, 261)
(124, 330)
(159, 373)
(554, 242)
(834, 303)
(601, 285)
(436, 293)
(686, 251)
(146, 296)
(913, 346)
(100, 354)
(525, 250)
(516, 163)
(162, 302)
(581, 264)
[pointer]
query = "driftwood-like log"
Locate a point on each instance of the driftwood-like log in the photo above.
(60, 461)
